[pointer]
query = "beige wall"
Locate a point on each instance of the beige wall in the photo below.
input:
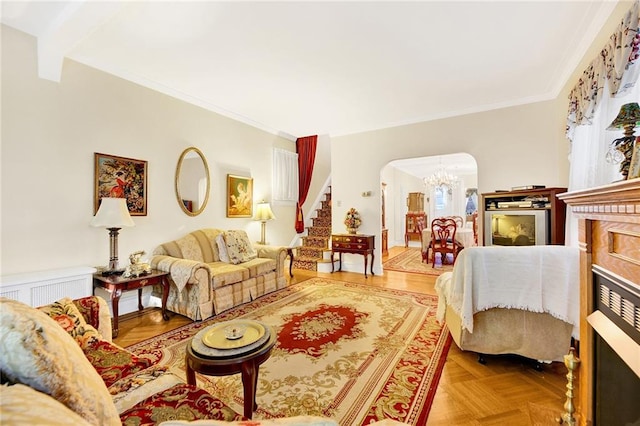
(50, 132)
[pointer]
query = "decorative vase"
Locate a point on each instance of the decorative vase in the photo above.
(352, 230)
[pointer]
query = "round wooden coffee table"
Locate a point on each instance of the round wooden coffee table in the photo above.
(246, 363)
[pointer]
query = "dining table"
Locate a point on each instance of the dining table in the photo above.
(464, 237)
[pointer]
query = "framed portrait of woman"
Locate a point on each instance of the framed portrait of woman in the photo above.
(239, 196)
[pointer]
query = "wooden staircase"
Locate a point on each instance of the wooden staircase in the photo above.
(315, 245)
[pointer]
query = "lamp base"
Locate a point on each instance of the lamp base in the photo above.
(263, 234)
(108, 273)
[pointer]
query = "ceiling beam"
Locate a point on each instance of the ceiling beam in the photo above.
(72, 24)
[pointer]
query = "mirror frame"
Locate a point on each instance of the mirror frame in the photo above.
(177, 181)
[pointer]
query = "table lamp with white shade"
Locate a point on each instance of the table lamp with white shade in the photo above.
(113, 214)
(263, 214)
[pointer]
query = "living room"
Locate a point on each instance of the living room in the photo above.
(51, 131)
(91, 111)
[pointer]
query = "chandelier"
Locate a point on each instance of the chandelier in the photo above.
(442, 178)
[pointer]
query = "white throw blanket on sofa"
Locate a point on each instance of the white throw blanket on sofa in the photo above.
(533, 278)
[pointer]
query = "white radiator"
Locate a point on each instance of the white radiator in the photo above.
(44, 287)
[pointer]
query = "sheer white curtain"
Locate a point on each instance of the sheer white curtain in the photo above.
(285, 175)
(446, 202)
(610, 81)
(591, 143)
(589, 147)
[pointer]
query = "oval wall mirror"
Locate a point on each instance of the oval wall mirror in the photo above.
(192, 181)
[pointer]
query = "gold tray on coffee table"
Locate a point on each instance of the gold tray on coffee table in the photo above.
(215, 337)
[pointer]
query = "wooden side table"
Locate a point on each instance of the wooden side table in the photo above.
(247, 364)
(116, 284)
(353, 243)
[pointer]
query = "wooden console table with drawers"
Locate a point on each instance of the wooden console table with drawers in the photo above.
(115, 285)
(355, 244)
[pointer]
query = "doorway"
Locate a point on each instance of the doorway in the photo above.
(405, 176)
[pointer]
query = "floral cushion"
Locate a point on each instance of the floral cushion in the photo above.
(36, 351)
(96, 313)
(68, 316)
(90, 310)
(239, 248)
(181, 402)
(110, 361)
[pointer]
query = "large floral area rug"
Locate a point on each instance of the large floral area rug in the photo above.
(351, 352)
(410, 260)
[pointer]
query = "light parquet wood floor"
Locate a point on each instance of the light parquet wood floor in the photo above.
(505, 391)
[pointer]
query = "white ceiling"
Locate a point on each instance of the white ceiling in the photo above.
(303, 68)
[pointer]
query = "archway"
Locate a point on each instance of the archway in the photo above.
(404, 176)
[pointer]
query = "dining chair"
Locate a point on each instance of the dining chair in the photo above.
(458, 219)
(475, 226)
(420, 225)
(443, 239)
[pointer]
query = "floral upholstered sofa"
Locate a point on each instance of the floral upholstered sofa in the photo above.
(212, 270)
(56, 368)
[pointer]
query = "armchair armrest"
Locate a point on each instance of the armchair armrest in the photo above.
(182, 271)
(95, 311)
(271, 252)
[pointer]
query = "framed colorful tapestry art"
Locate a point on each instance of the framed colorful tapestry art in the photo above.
(120, 177)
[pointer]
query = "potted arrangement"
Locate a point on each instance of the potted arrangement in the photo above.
(352, 221)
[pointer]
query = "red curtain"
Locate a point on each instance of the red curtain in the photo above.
(306, 149)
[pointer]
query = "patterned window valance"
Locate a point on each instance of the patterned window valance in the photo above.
(618, 64)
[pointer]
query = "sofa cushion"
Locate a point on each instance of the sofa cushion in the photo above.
(239, 247)
(178, 402)
(22, 405)
(259, 266)
(36, 351)
(68, 316)
(226, 273)
(222, 248)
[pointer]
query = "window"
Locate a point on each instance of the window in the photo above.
(285, 175)
(441, 197)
